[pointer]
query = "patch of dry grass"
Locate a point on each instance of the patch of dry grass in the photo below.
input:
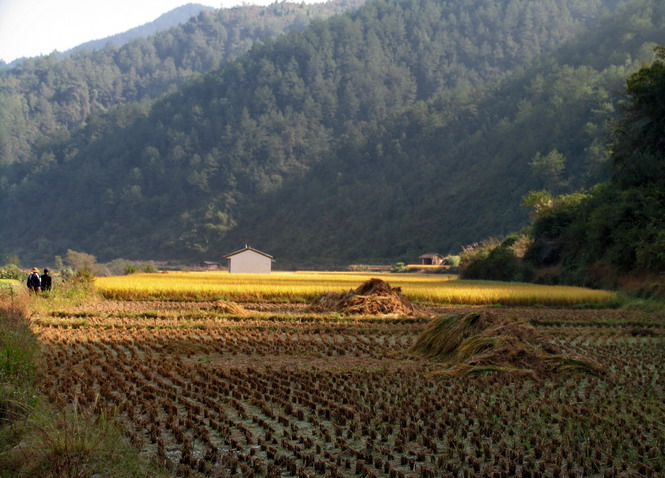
(477, 343)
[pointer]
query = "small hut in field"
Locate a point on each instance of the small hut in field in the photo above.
(249, 261)
(431, 259)
(209, 266)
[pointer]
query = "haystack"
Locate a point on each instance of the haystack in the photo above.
(228, 307)
(477, 343)
(373, 297)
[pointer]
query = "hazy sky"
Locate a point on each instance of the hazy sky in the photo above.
(37, 27)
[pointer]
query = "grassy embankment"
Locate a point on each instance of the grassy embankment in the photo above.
(299, 287)
(36, 439)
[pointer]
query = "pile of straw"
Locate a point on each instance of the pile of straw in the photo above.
(228, 307)
(477, 343)
(373, 297)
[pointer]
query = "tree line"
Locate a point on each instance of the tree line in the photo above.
(608, 235)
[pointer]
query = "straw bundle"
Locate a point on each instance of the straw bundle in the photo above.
(476, 343)
(373, 297)
(228, 307)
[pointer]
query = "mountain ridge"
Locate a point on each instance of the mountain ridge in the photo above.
(165, 21)
(204, 168)
(46, 98)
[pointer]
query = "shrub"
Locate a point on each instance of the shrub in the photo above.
(494, 260)
(79, 261)
(149, 268)
(452, 261)
(74, 285)
(11, 271)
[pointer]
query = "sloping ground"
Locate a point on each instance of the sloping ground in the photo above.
(484, 342)
(373, 297)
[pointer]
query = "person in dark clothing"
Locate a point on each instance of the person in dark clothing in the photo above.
(46, 280)
(34, 281)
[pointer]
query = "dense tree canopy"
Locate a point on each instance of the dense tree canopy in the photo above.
(619, 227)
(407, 125)
(615, 230)
(54, 96)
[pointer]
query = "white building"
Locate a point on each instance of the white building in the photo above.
(249, 261)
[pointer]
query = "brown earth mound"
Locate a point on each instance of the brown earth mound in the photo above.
(477, 343)
(373, 297)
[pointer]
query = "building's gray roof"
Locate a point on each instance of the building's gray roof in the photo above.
(430, 254)
(247, 248)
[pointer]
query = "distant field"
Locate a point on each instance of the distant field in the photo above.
(8, 283)
(428, 267)
(284, 287)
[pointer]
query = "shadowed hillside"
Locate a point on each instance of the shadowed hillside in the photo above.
(404, 126)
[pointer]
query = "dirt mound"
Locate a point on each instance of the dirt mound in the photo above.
(373, 297)
(477, 343)
(228, 307)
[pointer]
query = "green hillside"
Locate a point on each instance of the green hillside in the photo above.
(615, 233)
(430, 180)
(403, 127)
(50, 97)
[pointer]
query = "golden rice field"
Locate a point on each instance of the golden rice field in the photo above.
(299, 287)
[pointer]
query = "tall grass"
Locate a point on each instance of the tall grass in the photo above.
(18, 355)
(70, 444)
(36, 439)
(304, 286)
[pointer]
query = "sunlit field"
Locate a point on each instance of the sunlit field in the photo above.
(9, 284)
(427, 267)
(285, 287)
(275, 390)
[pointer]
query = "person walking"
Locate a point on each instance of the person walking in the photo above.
(34, 281)
(46, 280)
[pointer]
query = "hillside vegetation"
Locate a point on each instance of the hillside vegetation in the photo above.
(51, 97)
(453, 170)
(402, 127)
(611, 235)
(618, 227)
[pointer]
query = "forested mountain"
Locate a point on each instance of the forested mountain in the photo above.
(49, 97)
(403, 127)
(439, 176)
(611, 235)
(163, 22)
(617, 229)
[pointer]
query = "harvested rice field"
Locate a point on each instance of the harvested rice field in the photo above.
(279, 390)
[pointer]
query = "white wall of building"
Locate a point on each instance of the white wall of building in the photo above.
(249, 262)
